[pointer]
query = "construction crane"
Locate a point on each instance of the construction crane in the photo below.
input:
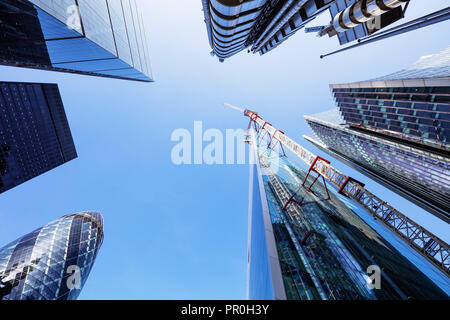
(421, 240)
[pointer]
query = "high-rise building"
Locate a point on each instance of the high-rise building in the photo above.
(313, 243)
(235, 25)
(396, 130)
(52, 262)
(93, 37)
(262, 25)
(34, 133)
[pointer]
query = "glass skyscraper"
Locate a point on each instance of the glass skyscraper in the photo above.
(93, 37)
(262, 25)
(34, 133)
(52, 262)
(396, 129)
(235, 25)
(324, 248)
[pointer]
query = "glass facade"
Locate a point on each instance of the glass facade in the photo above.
(421, 176)
(262, 25)
(420, 114)
(94, 37)
(229, 24)
(396, 129)
(234, 25)
(43, 264)
(412, 104)
(324, 247)
(261, 286)
(34, 133)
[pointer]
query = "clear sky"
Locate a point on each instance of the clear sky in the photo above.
(180, 232)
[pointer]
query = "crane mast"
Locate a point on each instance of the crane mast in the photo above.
(421, 240)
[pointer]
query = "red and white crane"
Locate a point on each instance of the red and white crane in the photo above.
(421, 240)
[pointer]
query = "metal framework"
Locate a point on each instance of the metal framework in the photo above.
(421, 240)
(430, 19)
(303, 185)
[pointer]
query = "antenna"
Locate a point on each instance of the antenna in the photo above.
(227, 105)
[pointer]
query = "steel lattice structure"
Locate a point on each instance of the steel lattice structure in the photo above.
(421, 240)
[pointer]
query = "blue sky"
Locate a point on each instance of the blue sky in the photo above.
(180, 232)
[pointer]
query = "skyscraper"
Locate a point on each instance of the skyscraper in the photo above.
(235, 25)
(395, 129)
(34, 133)
(317, 246)
(93, 37)
(262, 25)
(52, 262)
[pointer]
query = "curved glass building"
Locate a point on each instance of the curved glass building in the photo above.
(229, 24)
(262, 25)
(52, 262)
(234, 25)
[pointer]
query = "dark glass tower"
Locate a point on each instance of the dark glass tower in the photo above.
(46, 263)
(94, 37)
(34, 133)
(396, 129)
(321, 248)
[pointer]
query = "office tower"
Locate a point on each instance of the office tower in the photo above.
(235, 25)
(34, 133)
(262, 25)
(103, 38)
(52, 262)
(318, 246)
(395, 129)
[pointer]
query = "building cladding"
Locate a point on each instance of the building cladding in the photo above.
(39, 266)
(234, 25)
(262, 25)
(34, 133)
(413, 104)
(356, 19)
(416, 174)
(396, 130)
(319, 249)
(94, 37)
